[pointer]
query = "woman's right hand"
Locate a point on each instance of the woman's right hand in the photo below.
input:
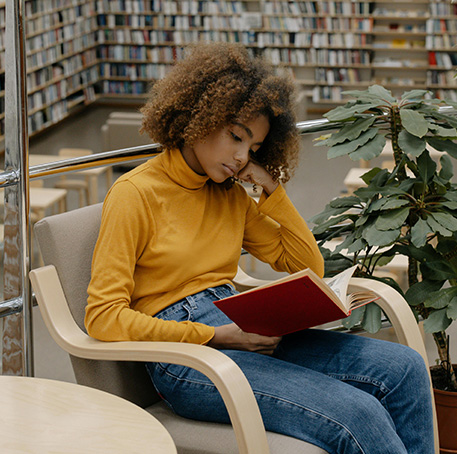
(232, 337)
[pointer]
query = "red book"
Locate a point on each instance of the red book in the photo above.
(296, 302)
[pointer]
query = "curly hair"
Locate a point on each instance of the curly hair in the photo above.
(216, 85)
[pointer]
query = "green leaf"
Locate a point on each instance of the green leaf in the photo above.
(357, 246)
(392, 203)
(439, 270)
(351, 131)
(347, 202)
(351, 145)
(426, 167)
(419, 292)
(328, 212)
(441, 298)
(375, 237)
(380, 91)
(451, 311)
(446, 171)
(368, 177)
(414, 94)
(437, 227)
(393, 219)
(414, 122)
(419, 232)
(347, 111)
(437, 321)
(372, 318)
(442, 131)
(354, 318)
(443, 145)
(446, 220)
(320, 228)
(450, 205)
(411, 144)
(447, 119)
(370, 150)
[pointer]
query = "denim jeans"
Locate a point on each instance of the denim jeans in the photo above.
(345, 393)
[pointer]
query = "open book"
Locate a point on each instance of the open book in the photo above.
(299, 301)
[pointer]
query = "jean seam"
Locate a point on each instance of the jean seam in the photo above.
(278, 399)
(362, 379)
(294, 404)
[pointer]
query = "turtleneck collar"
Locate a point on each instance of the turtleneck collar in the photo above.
(180, 172)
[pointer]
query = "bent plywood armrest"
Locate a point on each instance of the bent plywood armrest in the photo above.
(221, 370)
(403, 321)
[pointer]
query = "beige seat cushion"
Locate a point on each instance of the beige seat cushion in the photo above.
(196, 437)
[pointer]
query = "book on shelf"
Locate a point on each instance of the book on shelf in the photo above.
(293, 303)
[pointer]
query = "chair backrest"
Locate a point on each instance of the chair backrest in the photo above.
(67, 241)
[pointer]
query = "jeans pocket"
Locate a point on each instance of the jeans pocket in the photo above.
(180, 312)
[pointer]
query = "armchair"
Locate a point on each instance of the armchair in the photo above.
(66, 242)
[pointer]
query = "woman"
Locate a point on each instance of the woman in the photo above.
(171, 234)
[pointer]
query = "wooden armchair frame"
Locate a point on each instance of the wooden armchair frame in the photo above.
(228, 378)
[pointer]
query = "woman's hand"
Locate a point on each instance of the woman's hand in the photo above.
(256, 174)
(233, 337)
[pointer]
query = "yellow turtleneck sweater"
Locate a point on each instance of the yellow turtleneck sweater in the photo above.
(167, 233)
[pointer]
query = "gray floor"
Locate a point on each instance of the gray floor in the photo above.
(316, 181)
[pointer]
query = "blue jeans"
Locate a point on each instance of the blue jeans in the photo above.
(345, 393)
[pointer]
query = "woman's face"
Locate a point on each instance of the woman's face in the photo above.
(226, 151)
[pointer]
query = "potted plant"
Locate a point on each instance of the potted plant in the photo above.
(410, 209)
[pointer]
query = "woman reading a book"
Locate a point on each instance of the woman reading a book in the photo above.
(171, 235)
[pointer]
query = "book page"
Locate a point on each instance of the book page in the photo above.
(339, 283)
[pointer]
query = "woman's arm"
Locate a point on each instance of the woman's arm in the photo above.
(275, 232)
(127, 226)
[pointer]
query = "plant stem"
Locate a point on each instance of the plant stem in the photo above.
(442, 345)
(395, 128)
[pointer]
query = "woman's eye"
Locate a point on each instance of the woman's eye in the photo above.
(235, 137)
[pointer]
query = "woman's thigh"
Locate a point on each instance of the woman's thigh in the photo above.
(292, 399)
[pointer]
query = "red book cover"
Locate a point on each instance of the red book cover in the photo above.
(282, 308)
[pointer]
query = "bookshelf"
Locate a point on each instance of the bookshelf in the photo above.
(79, 51)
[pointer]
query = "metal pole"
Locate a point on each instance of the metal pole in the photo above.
(19, 358)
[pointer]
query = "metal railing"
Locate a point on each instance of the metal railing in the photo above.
(15, 179)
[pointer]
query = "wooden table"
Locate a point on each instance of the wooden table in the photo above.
(47, 416)
(43, 198)
(91, 174)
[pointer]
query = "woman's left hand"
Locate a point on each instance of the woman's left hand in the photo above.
(256, 174)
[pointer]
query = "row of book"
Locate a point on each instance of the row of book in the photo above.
(335, 75)
(140, 53)
(49, 22)
(348, 40)
(170, 7)
(53, 73)
(65, 41)
(125, 87)
(441, 25)
(443, 8)
(56, 112)
(33, 7)
(54, 55)
(237, 7)
(62, 89)
(146, 71)
(440, 41)
(445, 59)
(446, 78)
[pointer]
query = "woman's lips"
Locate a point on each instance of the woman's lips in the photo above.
(230, 170)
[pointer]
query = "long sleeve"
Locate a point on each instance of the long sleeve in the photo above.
(127, 227)
(276, 233)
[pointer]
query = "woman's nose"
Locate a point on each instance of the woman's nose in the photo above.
(242, 155)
